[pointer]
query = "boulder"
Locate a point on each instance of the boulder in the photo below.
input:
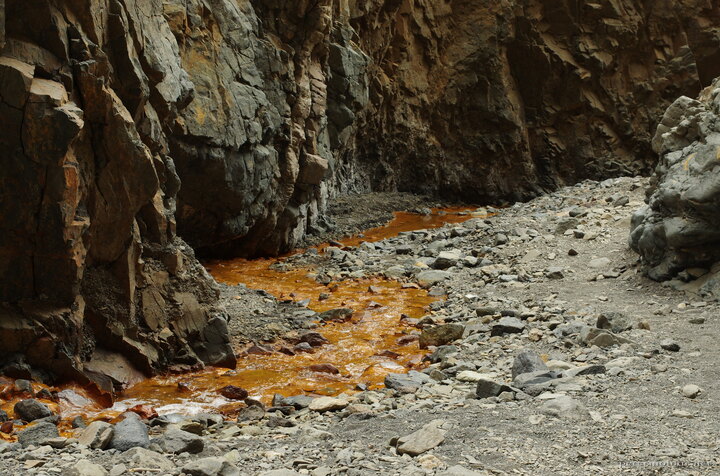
(130, 433)
(31, 410)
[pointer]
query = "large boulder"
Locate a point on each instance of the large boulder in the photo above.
(679, 227)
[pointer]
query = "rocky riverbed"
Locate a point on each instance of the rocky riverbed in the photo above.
(552, 354)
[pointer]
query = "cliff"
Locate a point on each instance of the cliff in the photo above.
(238, 120)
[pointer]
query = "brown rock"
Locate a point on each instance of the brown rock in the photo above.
(233, 393)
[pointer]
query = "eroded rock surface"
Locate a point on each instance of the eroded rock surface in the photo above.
(678, 227)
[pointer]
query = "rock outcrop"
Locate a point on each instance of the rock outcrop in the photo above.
(90, 263)
(678, 228)
(240, 119)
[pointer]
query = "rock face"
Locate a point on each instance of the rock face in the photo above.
(89, 258)
(263, 111)
(678, 228)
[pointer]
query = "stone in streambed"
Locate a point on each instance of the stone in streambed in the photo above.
(31, 410)
(130, 433)
(428, 279)
(97, 435)
(233, 392)
(38, 434)
(440, 335)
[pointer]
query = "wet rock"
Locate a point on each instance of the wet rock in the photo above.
(31, 410)
(425, 439)
(325, 369)
(440, 335)
(527, 361)
(233, 392)
(210, 467)
(3, 416)
(130, 433)
(314, 339)
(97, 435)
(38, 434)
(178, 441)
(507, 325)
(86, 468)
(337, 315)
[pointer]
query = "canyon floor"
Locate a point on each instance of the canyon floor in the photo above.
(616, 375)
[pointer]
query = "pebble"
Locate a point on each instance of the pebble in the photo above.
(691, 391)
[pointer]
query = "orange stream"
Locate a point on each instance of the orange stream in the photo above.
(364, 349)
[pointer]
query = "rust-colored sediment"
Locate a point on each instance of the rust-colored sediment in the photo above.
(365, 349)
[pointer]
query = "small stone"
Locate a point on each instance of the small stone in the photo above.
(691, 391)
(143, 458)
(406, 383)
(488, 388)
(670, 345)
(425, 439)
(86, 468)
(178, 441)
(210, 467)
(527, 361)
(251, 413)
(328, 404)
(564, 407)
(232, 392)
(130, 433)
(599, 263)
(97, 435)
(440, 335)
(555, 273)
(38, 434)
(507, 325)
(31, 410)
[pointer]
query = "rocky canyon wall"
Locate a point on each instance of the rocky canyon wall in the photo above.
(238, 120)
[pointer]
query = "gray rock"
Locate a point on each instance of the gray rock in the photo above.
(529, 379)
(31, 410)
(129, 433)
(178, 441)
(488, 388)
(446, 259)
(585, 370)
(527, 361)
(210, 467)
(425, 439)
(86, 468)
(507, 325)
(592, 336)
(564, 407)
(440, 335)
(427, 279)
(97, 435)
(251, 413)
(38, 434)
(670, 345)
(555, 273)
(280, 472)
(458, 470)
(144, 458)
(614, 321)
(406, 383)
(691, 391)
